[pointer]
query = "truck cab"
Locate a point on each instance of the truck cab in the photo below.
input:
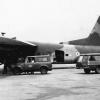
(89, 63)
(33, 63)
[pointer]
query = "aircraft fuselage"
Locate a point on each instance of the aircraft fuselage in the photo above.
(70, 53)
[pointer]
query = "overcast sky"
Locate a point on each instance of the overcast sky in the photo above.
(48, 20)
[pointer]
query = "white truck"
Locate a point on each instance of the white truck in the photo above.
(89, 62)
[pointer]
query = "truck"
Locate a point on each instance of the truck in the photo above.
(89, 62)
(31, 64)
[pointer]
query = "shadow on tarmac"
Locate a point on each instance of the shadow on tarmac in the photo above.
(91, 73)
(6, 75)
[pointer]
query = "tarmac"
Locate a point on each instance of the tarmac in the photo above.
(58, 84)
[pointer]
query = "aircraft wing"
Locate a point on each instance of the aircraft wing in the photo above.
(13, 42)
(8, 45)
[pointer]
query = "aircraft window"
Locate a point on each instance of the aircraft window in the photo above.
(66, 54)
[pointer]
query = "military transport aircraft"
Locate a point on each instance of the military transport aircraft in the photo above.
(72, 49)
(11, 49)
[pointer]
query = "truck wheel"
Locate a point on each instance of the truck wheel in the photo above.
(87, 71)
(43, 70)
(97, 70)
(78, 65)
(17, 71)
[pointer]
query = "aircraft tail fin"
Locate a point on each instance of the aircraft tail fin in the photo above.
(96, 28)
(94, 36)
(92, 39)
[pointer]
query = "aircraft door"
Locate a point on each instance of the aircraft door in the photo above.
(59, 55)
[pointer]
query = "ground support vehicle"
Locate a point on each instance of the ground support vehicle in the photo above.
(89, 62)
(33, 63)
